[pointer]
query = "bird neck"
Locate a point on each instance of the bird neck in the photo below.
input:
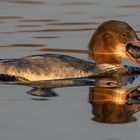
(104, 48)
(103, 51)
(107, 57)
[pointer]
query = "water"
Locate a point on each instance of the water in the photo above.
(29, 27)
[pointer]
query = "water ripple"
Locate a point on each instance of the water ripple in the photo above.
(58, 30)
(130, 6)
(78, 3)
(23, 2)
(73, 23)
(24, 45)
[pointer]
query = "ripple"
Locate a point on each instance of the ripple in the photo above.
(38, 20)
(74, 13)
(40, 99)
(25, 26)
(46, 37)
(10, 17)
(123, 15)
(58, 30)
(1, 22)
(78, 3)
(65, 50)
(8, 32)
(130, 6)
(24, 45)
(73, 23)
(23, 2)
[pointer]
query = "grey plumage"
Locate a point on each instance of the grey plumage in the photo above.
(54, 66)
(46, 67)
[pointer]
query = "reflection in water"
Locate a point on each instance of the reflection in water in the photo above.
(42, 92)
(114, 104)
(110, 100)
(65, 50)
(44, 88)
(70, 82)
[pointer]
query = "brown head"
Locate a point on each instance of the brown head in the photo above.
(109, 43)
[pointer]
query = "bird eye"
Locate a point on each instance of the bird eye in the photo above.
(124, 35)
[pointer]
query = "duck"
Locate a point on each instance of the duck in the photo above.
(112, 41)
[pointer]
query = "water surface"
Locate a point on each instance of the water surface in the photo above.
(31, 27)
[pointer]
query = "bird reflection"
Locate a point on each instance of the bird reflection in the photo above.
(46, 88)
(42, 92)
(114, 99)
(115, 104)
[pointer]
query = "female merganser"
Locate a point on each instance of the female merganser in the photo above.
(111, 41)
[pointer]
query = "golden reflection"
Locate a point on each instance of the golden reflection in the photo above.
(65, 50)
(114, 104)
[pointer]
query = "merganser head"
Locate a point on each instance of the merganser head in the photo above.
(113, 40)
